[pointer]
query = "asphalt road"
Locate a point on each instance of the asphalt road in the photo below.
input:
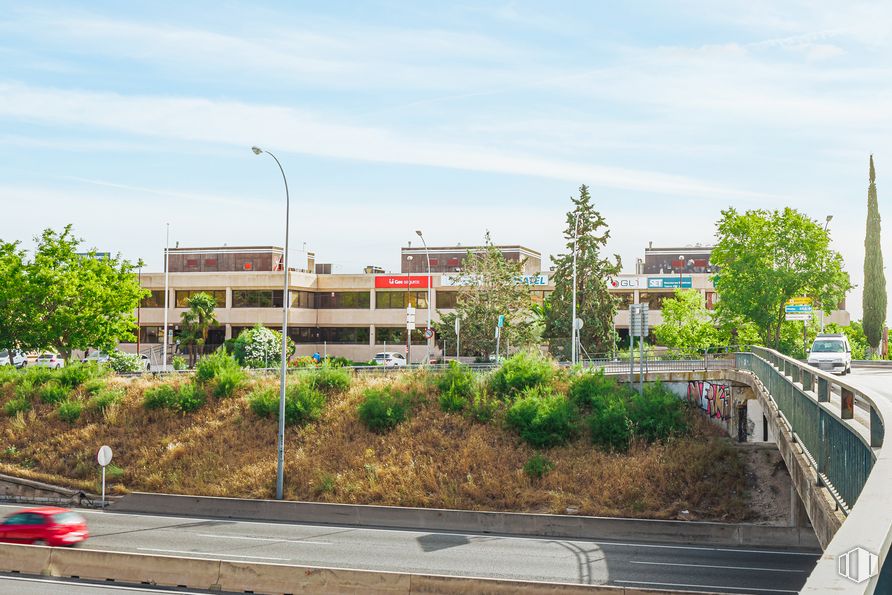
(733, 570)
(21, 585)
(877, 381)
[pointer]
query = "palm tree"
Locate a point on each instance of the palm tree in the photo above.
(197, 321)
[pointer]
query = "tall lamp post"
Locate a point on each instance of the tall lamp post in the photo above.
(826, 226)
(280, 464)
(573, 330)
(429, 285)
(166, 296)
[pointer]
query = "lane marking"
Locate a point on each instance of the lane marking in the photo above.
(149, 549)
(89, 585)
(722, 587)
(264, 539)
(714, 566)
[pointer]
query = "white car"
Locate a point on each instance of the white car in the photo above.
(18, 358)
(50, 360)
(96, 357)
(831, 353)
(391, 359)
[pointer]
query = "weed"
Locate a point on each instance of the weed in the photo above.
(537, 467)
(105, 398)
(520, 372)
(543, 418)
(76, 373)
(228, 380)
(53, 393)
(70, 411)
(326, 484)
(189, 398)
(657, 413)
(94, 385)
(303, 403)
(160, 397)
(213, 365)
(113, 472)
(610, 427)
(179, 362)
(330, 378)
(590, 390)
(482, 407)
(383, 408)
(16, 406)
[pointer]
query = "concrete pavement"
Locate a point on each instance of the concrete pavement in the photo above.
(22, 585)
(733, 570)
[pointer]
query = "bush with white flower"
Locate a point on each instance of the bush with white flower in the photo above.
(260, 347)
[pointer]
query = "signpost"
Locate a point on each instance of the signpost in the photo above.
(800, 308)
(410, 326)
(104, 457)
(457, 337)
(638, 325)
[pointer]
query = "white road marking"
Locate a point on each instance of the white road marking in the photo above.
(272, 539)
(719, 588)
(714, 566)
(218, 554)
(4, 577)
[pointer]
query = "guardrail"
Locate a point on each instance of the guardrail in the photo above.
(847, 457)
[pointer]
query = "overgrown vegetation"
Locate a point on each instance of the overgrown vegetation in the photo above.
(303, 403)
(383, 408)
(520, 372)
(543, 418)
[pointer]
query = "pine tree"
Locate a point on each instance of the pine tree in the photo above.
(874, 296)
(594, 303)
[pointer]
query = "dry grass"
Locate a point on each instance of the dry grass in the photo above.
(435, 459)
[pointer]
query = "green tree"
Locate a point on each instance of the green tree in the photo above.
(856, 336)
(874, 298)
(15, 308)
(197, 321)
(594, 303)
(491, 289)
(79, 300)
(767, 257)
(687, 324)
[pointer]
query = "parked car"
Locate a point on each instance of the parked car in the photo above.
(391, 359)
(50, 360)
(831, 353)
(18, 358)
(46, 525)
(96, 357)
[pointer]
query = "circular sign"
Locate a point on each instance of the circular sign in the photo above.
(578, 324)
(105, 456)
(429, 333)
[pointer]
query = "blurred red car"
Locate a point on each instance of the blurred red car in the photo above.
(46, 525)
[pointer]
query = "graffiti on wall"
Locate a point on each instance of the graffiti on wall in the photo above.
(714, 399)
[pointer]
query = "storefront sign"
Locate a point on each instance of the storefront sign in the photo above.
(670, 282)
(401, 281)
(627, 283)
(468, 280)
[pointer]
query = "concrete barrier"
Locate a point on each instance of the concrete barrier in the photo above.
(506, 523)
(275, 579)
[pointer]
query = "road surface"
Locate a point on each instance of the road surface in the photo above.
(733, 570)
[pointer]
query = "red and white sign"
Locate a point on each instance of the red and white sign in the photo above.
(401, 282)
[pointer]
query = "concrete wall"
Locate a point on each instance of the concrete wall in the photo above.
(15, 489)
(432, 519)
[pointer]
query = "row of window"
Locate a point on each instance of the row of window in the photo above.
(345, 335)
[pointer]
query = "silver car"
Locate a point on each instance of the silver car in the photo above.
(18, 358)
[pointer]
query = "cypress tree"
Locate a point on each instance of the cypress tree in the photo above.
(874, 296)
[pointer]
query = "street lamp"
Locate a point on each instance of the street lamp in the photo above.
(280, 466)
(680, 269)
(827, 221)
(573, 329)
(429, 285)
(409, 259)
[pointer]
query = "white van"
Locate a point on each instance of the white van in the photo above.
(831, 353)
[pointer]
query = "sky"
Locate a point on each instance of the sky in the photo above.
(456, 118)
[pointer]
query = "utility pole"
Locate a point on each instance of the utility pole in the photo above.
(574, 331)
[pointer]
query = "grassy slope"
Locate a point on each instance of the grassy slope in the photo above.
(435, 459)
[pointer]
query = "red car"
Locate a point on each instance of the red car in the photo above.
(46, 525)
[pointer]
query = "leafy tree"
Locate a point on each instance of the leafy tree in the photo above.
(687, 324)
(260, 347)
(78, 300)
(767, 257)
(874, 296)
(856, 336)
(15, 309)
(197, 321)
(492, 290)
(594, 303)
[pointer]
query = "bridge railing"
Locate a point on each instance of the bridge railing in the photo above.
(840, 429)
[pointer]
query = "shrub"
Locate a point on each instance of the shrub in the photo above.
(160, 397)
(228, 381)
(105, 398)
(330, 378)
(482, 407)
(16, 405)
(591, 390)
(76, 373)
(657, 413)
(24, 389)
(70, 411)
(383, 408)
(303, 403)
(537, 467)
(453, 399)
(38, 376)
(542, 418)
(520, 372)
(189, 398)
(124, 363)
(178, 362)
(212, 366)
(94, 386)
(259, 347)
(53, 392)
(609, 425)
(458, 379)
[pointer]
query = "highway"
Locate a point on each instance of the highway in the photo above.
(732, 570)
(877, 381)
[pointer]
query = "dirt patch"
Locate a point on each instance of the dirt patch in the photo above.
(768, 483)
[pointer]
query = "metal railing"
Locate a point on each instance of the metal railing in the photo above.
(844, 446)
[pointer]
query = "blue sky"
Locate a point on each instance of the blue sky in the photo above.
(456, 118)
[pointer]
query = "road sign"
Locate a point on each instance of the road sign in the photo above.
(638, 320)
(501, 320)
(578, 324)
(428, 333)
(410, 318)
(105, 456)
(799, 301)
(457, 325)
(797, 308)
(798, 316)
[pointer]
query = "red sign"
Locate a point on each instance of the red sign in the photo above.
(401, 282)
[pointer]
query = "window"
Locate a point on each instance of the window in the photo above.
(711, 299)
(400, 299)
(343, 299)
(396, 335)
(358, 335)
(151, 334)
(303, 299)
(256, 298)
(654, 299)
(154, 300)
(219, 296)
(446, 299)
(303, 334)
(624, 299)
